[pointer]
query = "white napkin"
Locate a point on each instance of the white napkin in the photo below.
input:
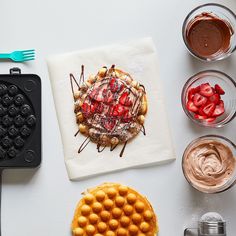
(139, 59)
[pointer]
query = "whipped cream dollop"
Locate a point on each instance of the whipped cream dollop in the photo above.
(209, 164)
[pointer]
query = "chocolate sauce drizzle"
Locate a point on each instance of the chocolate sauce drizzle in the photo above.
(81, 75)
(101, 148)
(84, 144)
(76, 133)
(144, 89)
(143, 130)
(123, 149)
(72, 78)
(113, 147)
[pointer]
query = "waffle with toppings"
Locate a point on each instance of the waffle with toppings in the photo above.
(113, 209)
(110, 107)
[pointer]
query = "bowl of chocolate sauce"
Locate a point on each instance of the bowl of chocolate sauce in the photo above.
(209, 32)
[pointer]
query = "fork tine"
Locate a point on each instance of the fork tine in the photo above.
(28, 54)
(29, 59)
(30, 50)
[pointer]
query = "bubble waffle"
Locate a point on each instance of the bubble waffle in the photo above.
(110, 107)
(114, 209)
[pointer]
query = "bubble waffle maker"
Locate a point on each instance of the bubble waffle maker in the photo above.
(20, 121)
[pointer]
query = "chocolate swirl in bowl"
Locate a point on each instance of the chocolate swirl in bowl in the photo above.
(209, 165)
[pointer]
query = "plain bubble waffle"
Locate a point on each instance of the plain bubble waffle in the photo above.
(114, 209)
(20, 120)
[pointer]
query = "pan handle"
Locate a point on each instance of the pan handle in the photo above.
(186, 231)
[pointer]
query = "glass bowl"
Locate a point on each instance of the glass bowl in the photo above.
(204, 162)
(221, 12)
(212, 77)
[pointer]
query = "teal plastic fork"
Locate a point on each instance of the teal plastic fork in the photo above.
(19, 56)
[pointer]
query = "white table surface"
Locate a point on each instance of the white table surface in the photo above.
(42, 202)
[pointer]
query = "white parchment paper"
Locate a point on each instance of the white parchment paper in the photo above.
(139, 59)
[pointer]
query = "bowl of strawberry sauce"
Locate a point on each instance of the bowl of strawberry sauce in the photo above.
(209, 98)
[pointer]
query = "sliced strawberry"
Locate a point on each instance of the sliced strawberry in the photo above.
(104, 92)
(108, 96)
(200, 111)
(211, 119)
(114, 85)
(191, 107)
(97, 95)
(215, 98)
(126, 116)
(85, 106)
(197, 89)
(219, 110)
(208, 109)
(221, 103)
(121, 87)
(100, 108)
(191, 93)
(199, 100)
(93, 93)
(125, 99)
(85, 109)
(118, 110)
(94, 106)
(199, 117)
(219, 90)
(115, 113)
(109, 124)
(206, 90)
(213, 89)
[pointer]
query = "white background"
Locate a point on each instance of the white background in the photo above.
(42, 202)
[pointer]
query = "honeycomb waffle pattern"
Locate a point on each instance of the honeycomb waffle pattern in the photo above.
(17, 120)
(114, 209)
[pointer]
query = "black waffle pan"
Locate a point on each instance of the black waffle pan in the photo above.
(20, 121)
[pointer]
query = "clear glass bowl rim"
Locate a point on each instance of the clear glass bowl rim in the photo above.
(203, 137)
(185, 87)
(185, 22)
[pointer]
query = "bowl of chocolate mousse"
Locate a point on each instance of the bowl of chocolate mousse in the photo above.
(209, 32)
(209, 164)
